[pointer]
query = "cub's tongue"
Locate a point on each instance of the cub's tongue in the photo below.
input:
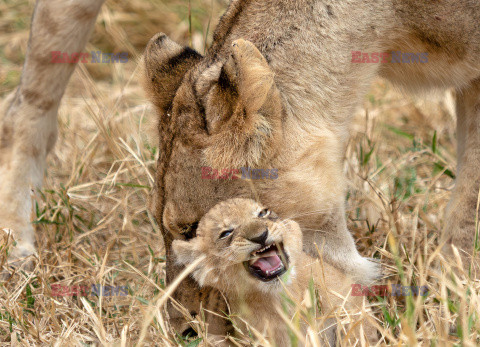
(269, 263)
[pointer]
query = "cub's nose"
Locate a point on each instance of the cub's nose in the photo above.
(261, 238)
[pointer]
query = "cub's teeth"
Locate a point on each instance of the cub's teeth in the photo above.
(255, 253)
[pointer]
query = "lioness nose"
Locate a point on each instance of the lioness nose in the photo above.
(261, 238)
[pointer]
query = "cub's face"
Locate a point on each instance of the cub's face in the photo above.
(245, 245)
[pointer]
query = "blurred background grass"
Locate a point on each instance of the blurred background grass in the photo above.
(123, 26)
(93, 225)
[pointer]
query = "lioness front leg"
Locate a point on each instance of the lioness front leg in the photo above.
(322, 219)
(461, 217)
(311, 192)
(28, 129)
(334, 243)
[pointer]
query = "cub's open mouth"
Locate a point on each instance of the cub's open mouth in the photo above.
(268, 263)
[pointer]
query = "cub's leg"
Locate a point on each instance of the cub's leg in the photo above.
(460, 227)
(28, 129)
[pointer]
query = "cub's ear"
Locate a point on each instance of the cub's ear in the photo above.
(248, 121)
(186, 251)
(165, 64)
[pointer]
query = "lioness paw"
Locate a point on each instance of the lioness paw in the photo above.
(369, 271)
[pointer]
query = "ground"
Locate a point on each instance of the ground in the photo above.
(94, 228)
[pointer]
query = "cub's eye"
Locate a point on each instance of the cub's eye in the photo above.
(264, 213)
(226, 233)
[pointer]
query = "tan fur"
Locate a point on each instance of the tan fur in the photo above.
(251, 299)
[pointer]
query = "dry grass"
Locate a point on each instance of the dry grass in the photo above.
(93, 226)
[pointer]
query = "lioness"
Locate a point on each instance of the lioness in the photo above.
(255, 258)
(277, 89)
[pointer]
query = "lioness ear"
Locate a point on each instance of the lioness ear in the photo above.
(243, 135)
(250, 70)
(166, 64)
(186, 251)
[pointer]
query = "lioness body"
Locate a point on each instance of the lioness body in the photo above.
(286, 104)
(307, 46)
(235, 236)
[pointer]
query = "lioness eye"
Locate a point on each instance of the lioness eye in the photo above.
(264, 213)
(226, 233)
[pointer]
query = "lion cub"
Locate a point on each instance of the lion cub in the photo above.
(256, 260)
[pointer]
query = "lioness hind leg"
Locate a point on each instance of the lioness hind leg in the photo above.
(28, 129)
(462, 213)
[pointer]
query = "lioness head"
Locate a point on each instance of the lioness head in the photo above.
(222, 111)
(246, 246)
